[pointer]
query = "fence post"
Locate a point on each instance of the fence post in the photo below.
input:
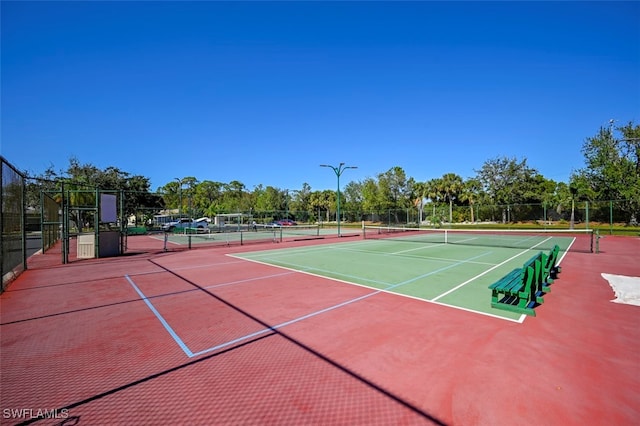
(65, 224)
(610, 217)
(23, 225)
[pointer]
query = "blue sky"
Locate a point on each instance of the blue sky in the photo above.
(264, 92)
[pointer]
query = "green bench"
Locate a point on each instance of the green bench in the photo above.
(520, 290)
(136, 230)
(550, 269)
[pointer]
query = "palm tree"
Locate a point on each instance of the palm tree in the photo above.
(432, 192)
(470, 193)
(450, 186)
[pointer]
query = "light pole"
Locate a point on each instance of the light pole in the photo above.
(180, 198)
(574, 190)
(286, 203)
(338, 171)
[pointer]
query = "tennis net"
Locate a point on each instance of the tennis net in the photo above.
(543, 239)
(237, 235)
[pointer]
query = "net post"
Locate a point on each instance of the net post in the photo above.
(610, 217)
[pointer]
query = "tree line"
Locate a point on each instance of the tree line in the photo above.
(611, 172)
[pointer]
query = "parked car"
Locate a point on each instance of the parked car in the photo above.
(287, 222)
(202, 224)
(281, 222)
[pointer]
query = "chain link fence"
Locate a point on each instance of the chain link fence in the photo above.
(51, 220)
(605, 216)
(13, 242)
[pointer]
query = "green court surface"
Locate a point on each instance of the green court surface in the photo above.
(449, 274)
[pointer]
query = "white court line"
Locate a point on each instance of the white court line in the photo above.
(164, 322)
(520, 320)
(321, 311)
(434, 300)
(262, 277)
(192, 354)
(487, 271)
(163, 269)
(346, 247)
(204, 265)
(284, 324)
(304, 269)
(421, 247)
(400, 253)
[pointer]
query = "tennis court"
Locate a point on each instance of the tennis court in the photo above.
(394, 328)
(449, 267)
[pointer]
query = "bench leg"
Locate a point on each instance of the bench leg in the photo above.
(513, 303)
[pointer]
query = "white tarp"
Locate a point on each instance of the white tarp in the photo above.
(626, 289)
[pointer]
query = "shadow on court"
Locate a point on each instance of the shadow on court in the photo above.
(199, 337)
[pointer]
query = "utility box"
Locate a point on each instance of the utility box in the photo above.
(86, 246)
(108, 246)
